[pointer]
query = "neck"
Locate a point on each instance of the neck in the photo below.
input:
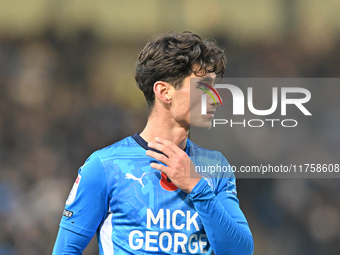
(162, 125)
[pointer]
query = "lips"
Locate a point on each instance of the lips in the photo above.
(211, 113)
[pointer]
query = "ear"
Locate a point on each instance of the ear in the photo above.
(162, 91)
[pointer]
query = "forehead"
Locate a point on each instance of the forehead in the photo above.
(201, 73)
(208, 78)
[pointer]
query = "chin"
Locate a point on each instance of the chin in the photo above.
(205, 125)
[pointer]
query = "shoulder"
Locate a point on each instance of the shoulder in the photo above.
(105, 160)
(204, 154)
(210, 163)
(124, 146)
(101, 158)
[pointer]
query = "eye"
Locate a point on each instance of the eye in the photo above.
(204, 91)
(200, 85)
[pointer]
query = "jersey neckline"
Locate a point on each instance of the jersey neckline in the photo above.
(145, 146)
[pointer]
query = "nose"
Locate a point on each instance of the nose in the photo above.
(214, 98)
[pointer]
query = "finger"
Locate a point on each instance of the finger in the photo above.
(163, 148)
(167, 142)
(172, 146)
(159, 167)
(158, 156)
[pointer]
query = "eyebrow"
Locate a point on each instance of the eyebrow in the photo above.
(207, 79)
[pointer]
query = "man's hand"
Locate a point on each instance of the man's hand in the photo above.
(179, 167)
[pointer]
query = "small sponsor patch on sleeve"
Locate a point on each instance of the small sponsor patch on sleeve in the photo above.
(67, 213)
(73, 192)
(231, 189)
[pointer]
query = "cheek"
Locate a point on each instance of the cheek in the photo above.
(185, 108)
(180, 107)
(195, 103)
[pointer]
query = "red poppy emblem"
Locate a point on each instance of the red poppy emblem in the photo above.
(166, 183)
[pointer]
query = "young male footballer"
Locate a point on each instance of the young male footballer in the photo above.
(142, 195)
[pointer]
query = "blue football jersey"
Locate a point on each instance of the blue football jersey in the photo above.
(135, 209)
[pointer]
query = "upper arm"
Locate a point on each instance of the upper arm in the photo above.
(226, 192)
(87, 204)
(227, 195)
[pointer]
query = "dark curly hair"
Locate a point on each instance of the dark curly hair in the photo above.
(170, 58)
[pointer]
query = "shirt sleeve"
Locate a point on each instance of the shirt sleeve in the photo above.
(70, 243)
(86, 206)
(225, 224)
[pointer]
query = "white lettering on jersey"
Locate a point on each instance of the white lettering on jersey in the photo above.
(202, 243)
(167, 241)
(149, 240)
(168, 235)
(155, 220)
(138, 240)
(168, 218)
(174, 216)
(180, 243)
(155, 241)
(193, 248)
(171, 219)
(192, 220)
(130, 176)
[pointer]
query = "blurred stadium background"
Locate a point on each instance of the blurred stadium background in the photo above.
(67, 89)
